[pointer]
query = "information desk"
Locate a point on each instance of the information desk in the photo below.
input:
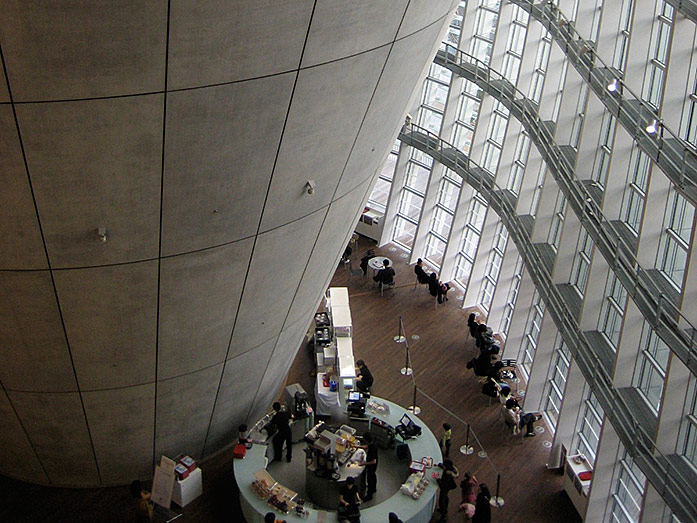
(409, 510)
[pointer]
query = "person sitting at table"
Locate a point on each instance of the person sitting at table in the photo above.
(364, 377)
(506, 394)
(386, 274)
(473, 325)
(364, 264)
(421, 275)
(349, 501)
(492, 388)
(437, 288)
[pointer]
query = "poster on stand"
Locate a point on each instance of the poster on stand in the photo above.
(163, 482)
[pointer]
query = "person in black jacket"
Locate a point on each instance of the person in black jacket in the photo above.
(371, 466)
(421, 275)
(349, 501)
(482, 509)
(386, 274)
(437, 288)
(365, 378)
(446, 483)
(281, 420)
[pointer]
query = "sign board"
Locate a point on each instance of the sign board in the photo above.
(163, 482)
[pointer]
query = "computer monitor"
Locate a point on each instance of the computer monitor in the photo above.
(406, 421)
(354, 396)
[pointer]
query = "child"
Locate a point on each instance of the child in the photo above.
(445, 439)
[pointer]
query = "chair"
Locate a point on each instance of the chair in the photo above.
(386, 285)
(352, 271)
(512, 428)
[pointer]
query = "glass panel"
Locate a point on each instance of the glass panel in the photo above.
(435, 248)
(404, 232)
(463, 270)
(448, 194)
(417, 177)
(381, 191)
(387, 171)
(442, 221)
(410, 205)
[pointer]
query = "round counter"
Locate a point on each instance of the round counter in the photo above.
(409, 510)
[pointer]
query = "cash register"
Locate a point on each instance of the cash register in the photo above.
(356, 404)
(407, 428)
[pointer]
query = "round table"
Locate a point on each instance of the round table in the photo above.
(376, 262)
(409, 510)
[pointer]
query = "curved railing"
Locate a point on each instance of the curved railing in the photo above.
(655, 466)
(675, 157)
(659, 310)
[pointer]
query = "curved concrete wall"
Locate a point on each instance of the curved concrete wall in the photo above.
(189, 132)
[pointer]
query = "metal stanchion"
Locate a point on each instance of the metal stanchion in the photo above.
(413, 407)
(401, 338)
(467, 449)
(497, 501)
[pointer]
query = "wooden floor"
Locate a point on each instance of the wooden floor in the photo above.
(439, 348)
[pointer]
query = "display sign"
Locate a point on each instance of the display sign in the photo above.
(163, 482)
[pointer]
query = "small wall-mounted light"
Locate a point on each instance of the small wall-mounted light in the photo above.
(101, 232)
(653, 126)
(613, 86)
(310, 186)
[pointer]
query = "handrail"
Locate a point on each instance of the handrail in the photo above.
(663, 315)
(675, 157)
(658, 470)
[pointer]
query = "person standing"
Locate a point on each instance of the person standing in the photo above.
(482, 509)
(365, 378)
(446, 483)
(468, 488)
(281, 420)
(371, 466)
(445, 440)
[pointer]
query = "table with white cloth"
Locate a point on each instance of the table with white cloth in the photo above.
(377, 262)
(328, 402)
